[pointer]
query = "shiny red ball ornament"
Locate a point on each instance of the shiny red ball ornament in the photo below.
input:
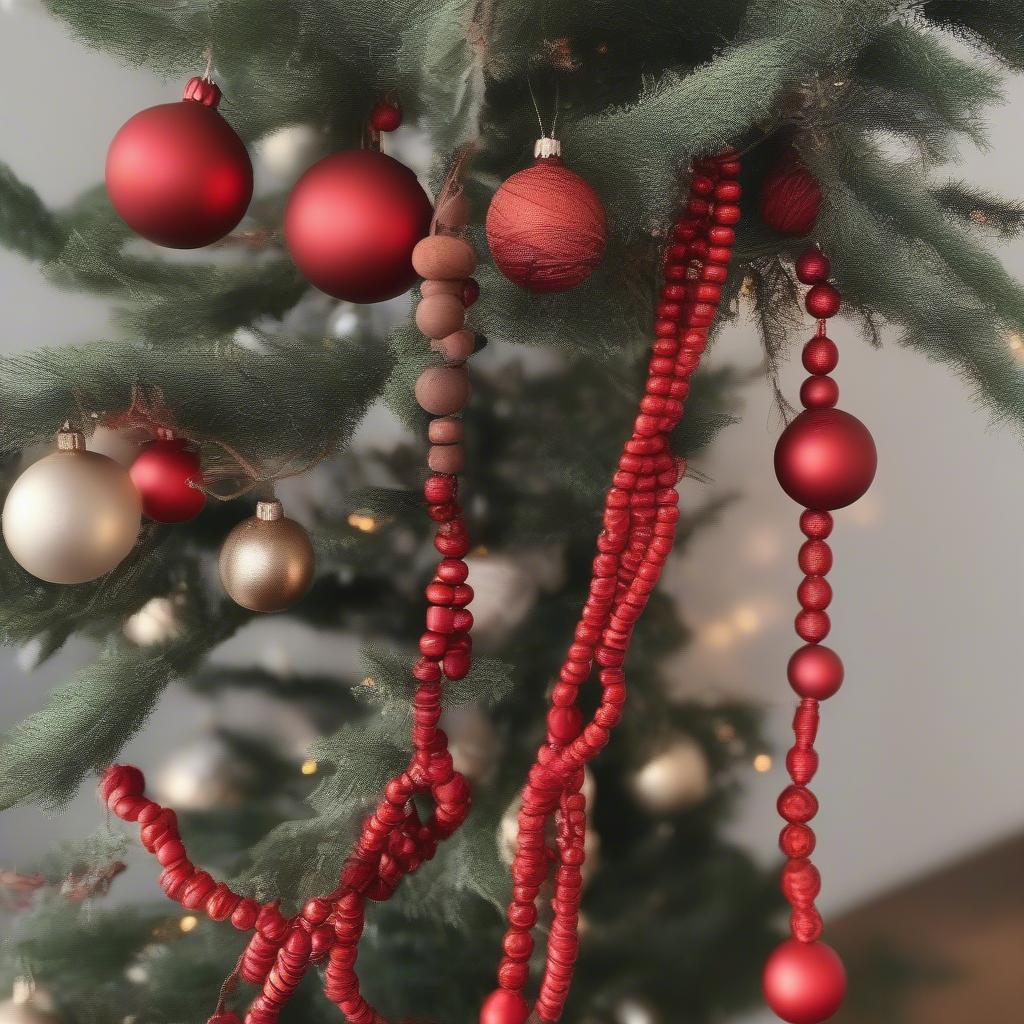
(804, 982)
(178, 174)
(546, 227)
(385, 116)
(352, 222)
(790, 198)
(815, 672)
(168, 476)
(825, 459)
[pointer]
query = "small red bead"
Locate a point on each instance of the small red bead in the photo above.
(470, 291)
(823, 301)
(814, 593)
(797, 841)
(816, 525)
(815, 558)
(504, 1007)
(812, 626)
(812, 266)
(820, 355)
(819, 392)
(452, 570)
(797, 804)
(727, 213)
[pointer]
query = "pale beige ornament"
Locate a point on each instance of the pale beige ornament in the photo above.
(158, 621)
(122, 444)
(72, 516)
(677, 778)
(199, 776)
(27, 1005)
(267, 561)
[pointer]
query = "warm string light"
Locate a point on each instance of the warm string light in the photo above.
(309, 767)
(188, 923)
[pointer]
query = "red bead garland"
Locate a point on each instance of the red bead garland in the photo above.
(639, 520)
(824, 458)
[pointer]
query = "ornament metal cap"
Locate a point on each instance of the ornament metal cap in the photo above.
(545, 148)
(269, 511)
(69, 440)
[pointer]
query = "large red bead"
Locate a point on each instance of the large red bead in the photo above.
(825, 459)
(178, 175)
(167, 475)
(504, 1007)
(352, 222)
(815, 671)
(804, 982)
(546, 228)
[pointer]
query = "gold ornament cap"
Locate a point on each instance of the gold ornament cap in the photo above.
(269, 511)
(69, 440)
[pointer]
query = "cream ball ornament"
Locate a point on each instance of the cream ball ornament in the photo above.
(267, 561)
(28, 1005)
(72, 516)
(676, 778)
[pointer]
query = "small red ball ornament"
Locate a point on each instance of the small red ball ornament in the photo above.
(177, 173)
(168, 476)
(812, 266)
(385, 117)
(804, 982)
(815, 671)
(546, 227)
(823, 301)
(790, 198)
(352, 222)
(504, 1007)
(825, 459)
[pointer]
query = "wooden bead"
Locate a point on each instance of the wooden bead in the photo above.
(444, 258)
(456, 347)
(442, 390)
(440, 315)
(446, 430)
(446, 458)
(456, 288)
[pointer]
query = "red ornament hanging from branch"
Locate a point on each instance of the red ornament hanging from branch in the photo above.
(177, 173)
(790, 197)
(546, 227)
(825, 460)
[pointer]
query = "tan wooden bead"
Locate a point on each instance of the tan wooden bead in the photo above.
(457, 347)
(442, 390)
(455, 288)
(446, 458)
(444, 258)
(437, 316)
(446, 430)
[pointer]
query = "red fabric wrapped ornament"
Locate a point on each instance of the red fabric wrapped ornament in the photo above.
(804, 982)
(546, 227)
(790, 198)
(178, 174)
(352, 222)
(168, 476)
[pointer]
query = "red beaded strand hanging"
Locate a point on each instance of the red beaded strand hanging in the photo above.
(640, 516)
(639, 525)
(825, 460)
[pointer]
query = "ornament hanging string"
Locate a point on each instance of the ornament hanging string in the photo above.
(639, 523)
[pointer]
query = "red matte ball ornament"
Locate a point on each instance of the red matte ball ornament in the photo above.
(546, 227)
(825, 459)
(352, 222)
(178, 174)
(385, 117)
(815, 671)
(168, 476)
(804, 982)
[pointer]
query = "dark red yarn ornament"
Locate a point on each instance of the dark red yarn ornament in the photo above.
(639, 524)
(790, 198)
(825, 459)
(546, 227)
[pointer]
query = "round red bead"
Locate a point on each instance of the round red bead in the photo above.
(819, 392)
(804, 982)
(812, 266)
(823, 301)
(504, 1007)
(815, 672)
(820, 355)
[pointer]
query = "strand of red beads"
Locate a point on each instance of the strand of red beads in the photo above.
(639, 524)
(394, 841)
(825, 460)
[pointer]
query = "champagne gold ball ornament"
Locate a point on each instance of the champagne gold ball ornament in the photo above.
(267, 563)
(73, 515)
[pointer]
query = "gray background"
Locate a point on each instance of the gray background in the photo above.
(921, 754)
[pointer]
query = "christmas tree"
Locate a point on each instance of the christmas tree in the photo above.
(845, 114)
